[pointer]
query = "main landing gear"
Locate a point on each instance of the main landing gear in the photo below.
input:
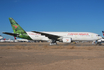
(97, 42)
(53, 42)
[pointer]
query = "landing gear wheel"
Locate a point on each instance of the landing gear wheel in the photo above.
(53, 42)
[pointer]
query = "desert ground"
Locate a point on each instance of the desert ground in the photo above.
(41, 56)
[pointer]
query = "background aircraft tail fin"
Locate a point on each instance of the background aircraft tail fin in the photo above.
(16, 27)
(4, 39)
(103, 33)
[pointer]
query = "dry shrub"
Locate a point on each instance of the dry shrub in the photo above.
(45, 47)
(73, 47)
(60, 47)
(89, 48)
(19, 47)
(70, 47)
(57, 47)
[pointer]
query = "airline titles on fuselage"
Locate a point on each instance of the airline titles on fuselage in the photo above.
(78, 34)
(67, 34)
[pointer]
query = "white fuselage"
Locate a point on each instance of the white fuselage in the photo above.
(76, 36)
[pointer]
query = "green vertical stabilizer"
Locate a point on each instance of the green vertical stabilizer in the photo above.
(17, 29)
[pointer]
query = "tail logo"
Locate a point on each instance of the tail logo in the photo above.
(15, 26)
(67, 40)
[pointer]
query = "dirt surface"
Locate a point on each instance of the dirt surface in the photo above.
(51, 57)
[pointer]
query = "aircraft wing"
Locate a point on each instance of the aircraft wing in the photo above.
(12, 34)
(50, 36)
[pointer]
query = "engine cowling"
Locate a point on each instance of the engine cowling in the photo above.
(67, 40)
(99, 40)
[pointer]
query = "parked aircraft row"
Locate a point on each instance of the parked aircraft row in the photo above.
(17, 40)
(9, 40)
(53, 37)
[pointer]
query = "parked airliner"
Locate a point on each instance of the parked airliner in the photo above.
(53, 37)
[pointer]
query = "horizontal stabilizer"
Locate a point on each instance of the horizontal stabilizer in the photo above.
(12, 34)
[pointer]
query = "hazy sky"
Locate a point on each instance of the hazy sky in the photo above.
(53, 15)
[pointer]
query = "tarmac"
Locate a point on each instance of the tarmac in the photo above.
(45, 43)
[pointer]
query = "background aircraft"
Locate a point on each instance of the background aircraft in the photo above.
(53, 37)
(103, 33)
(102, 37)
(1, 37)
